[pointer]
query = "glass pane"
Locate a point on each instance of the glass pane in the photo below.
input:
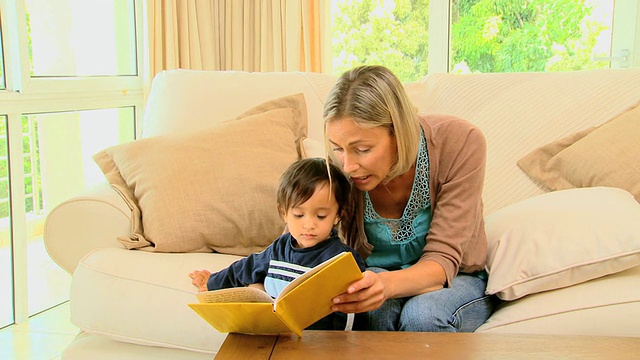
(81, 37)
(390, 33)
(6, 259)
(58, 165)
(3, 84)
(524, 35)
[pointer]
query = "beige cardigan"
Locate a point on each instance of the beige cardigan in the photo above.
(456, 238)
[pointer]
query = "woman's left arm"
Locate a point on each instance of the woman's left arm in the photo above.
(373, 289)
(457, 155)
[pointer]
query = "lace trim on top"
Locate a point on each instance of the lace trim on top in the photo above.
(402, 230)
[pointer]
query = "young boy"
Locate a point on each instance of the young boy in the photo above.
(312, 197)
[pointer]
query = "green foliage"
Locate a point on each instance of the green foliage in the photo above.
(509, 36)
(389, 33)
(31, 165)
(3, 146)
(487, 35)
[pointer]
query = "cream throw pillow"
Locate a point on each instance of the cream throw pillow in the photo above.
(212, 190)
(561, 238)
(607, 155)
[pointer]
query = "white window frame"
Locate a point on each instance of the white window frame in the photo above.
(26, 95)
(439, 41)
(625, 42)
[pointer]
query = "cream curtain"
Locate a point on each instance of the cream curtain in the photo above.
(249, 35)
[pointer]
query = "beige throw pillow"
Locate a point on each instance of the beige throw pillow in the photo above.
(561, 238)
(607, 155)
(212, 190)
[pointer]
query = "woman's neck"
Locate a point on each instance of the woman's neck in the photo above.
(390, 199)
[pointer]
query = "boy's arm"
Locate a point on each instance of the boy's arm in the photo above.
(250, 270)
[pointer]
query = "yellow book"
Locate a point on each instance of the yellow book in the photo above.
(304, 301)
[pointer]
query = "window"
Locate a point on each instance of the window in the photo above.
(70, 87)
(98, 37)
(413, 37)
(57, 149)
(391, 33)
(513, 36)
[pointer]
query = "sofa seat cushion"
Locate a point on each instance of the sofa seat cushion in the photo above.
(607, 306)
(141, 297)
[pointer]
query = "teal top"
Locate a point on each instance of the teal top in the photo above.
(398, 243)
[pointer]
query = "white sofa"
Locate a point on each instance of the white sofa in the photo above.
(133, 303)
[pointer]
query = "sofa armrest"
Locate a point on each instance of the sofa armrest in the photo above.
(80, 224)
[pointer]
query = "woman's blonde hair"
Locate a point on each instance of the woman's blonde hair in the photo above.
(373, 96)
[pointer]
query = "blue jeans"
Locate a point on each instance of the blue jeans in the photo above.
(462, 307)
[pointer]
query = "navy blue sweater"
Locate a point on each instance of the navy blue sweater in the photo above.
(279, 264)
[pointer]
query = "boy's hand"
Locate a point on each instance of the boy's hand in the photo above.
(199, 278)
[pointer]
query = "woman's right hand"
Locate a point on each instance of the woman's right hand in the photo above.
(363, 295)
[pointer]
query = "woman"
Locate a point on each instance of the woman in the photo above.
(419, 212)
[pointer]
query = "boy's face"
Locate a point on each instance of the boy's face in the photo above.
(312, 221)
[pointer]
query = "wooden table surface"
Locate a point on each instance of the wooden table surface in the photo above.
(404, 345)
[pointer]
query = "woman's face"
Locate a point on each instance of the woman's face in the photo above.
(366, 155)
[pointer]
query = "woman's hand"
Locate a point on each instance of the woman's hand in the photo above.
(363, 295)
(371, 291)
(199, 278)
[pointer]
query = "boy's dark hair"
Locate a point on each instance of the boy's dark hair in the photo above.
(299, 182)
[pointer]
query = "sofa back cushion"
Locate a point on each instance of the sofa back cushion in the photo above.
(519, 112)
(561, 238)
(183, 101)
(606, 155)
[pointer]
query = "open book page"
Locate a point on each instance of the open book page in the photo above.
(311, 300)
(234, 295)
(246, 318)
(302, 278)
(305, 301)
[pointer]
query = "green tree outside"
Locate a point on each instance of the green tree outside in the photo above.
(392, 33)
(487, 35)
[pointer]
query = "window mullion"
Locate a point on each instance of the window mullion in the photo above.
(626, 35)
(16, 44)
(439, 38)
(18, 223)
